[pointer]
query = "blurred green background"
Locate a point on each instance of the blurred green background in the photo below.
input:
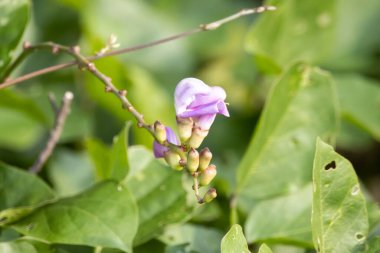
(244, 57)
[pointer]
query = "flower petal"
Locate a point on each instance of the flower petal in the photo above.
(159, 149)
(205, 121)
(186, 91)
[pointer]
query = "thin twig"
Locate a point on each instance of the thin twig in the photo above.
(202, 28)
(54, 134)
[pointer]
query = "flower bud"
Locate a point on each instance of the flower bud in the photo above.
(185, 128)
(192, 160)
(208, 175)
(209, 195)
(204, 159)
(160, 132)
(173, 160)
(197, 137)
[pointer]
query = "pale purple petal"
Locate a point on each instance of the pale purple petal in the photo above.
(159, 149)
(193, 98)
(186, 91)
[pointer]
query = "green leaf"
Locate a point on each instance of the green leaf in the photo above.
(264, 249)
(111, 162)
(20, 193)
(234, 241)
(159, 192)
(299, 26)
(25, 246)
(196, 238)
(23, 116)
(70, 172)
(14, 18)
(284, 219)
(359, 97)
(301, 106)
(105, 215)
(339, 217)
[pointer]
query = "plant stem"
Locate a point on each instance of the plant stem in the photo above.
(60, 119)
(202, 28)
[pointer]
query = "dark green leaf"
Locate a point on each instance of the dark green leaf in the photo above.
(284, 219)
(159, 192)
(105, 215)
(234, 241)
(111, 162)
(339, 217)
(198, 238)
(302, 106)
(20, 193)
(14, 15)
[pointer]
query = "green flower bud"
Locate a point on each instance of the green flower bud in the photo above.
(160, 132)
(197, 137)
(173, 160)
(192, 160)
(208, 175)
(204, 159)
(185, 128)
(209, 195)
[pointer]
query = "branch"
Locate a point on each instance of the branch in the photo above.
(202, 28)
(61, 116)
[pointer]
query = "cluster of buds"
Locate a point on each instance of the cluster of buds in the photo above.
(197, 105)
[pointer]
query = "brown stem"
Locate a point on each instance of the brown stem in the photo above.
(203, 27)
(54, 134)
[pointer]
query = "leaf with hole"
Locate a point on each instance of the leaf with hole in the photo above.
(234, 241)
(105, 215)
(339, 217)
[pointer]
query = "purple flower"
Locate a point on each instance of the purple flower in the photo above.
(159, 149)
(195, 99)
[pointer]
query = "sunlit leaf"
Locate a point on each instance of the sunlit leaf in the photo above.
(339, 217)
(264, 249)
(302, 106)
(359, 98)
(14, 15)
(284, 219)
(159, 192)
(25, 246)
(234, 241)
(105, 215)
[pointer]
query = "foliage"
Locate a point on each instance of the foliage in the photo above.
(306, 88)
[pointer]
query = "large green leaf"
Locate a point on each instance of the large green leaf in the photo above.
(105, 215)
(111, 162)
(360, 102)
(292, 32)
(20, 193)
(159, 192)
(234, 241)
(302, 106)
(339, 217)
(192, 238)
(14, 15)
(285, 219)
(23, 117)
